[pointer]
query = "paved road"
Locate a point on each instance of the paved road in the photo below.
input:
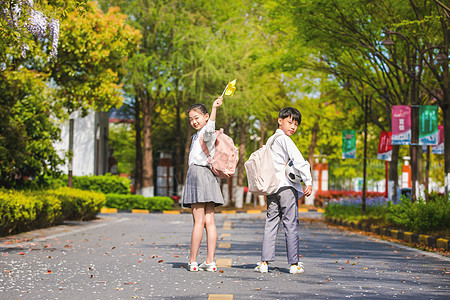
(133, 256)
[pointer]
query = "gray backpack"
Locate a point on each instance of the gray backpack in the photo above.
(261, 176)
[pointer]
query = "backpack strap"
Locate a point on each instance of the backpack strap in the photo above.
(272, 139)
(205, 147)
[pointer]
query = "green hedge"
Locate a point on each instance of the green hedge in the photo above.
(22, 211)
(106, 184)
(79, 205)
(138, 202)
(421, 216)
(429, 217)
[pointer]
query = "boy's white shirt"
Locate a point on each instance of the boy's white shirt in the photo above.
(283, 150)
(196, 154)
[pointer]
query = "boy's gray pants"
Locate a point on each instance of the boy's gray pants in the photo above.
(281, 206)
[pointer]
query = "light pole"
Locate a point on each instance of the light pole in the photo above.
(365, 99)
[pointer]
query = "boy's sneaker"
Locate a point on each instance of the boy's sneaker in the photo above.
(297, 269)
(262, 267)
(193, 267)
(208, 267)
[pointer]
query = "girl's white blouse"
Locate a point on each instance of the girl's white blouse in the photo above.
(196, 154)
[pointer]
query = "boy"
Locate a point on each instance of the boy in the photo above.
(283, 205)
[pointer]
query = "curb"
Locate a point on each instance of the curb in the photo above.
(106, 210)
(406, 236)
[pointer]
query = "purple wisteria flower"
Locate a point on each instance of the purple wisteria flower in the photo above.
(36, 23)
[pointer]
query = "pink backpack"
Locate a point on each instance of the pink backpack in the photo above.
(226, 155)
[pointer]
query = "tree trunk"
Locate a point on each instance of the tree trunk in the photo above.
(420, 179)
(414, 141)
(393, 174)
(427, 173)
(138, 159)
(446, 113)
(179, 146)
(446, 106)
(147, 155)
(313, 144)
(239, 190)
(187, 147)
(242, 143)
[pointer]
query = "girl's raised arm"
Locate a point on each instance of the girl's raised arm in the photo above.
(218, 102)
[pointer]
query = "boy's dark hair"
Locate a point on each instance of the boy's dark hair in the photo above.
(200, 107)
(291, 112)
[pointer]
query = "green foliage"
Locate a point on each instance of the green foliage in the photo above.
(106, 184)
(421, 216)
(122, 140)
(21, 211)
(27, 127)
(352, 212)
(93, 50)
(79, 205)
(138, 202)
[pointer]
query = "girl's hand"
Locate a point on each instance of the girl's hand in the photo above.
(218, 102)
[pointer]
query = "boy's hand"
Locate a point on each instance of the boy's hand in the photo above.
(308, 190)
(218, 102)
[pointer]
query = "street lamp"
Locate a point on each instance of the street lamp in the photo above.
(388, 42)
(441, 58)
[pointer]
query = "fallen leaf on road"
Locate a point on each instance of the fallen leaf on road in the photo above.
(348, 261)
(21, 253)
(160, 261)
(220, 271)
(48, 271)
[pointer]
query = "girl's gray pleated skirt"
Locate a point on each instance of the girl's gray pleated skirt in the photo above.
(201, 186)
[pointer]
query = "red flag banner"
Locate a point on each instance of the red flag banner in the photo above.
(401, 125)
(385, 146)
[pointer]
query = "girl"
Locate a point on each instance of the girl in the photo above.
(202, 190)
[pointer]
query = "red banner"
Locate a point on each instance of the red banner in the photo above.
(385, 146)
(439, 148)
(401, 125)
